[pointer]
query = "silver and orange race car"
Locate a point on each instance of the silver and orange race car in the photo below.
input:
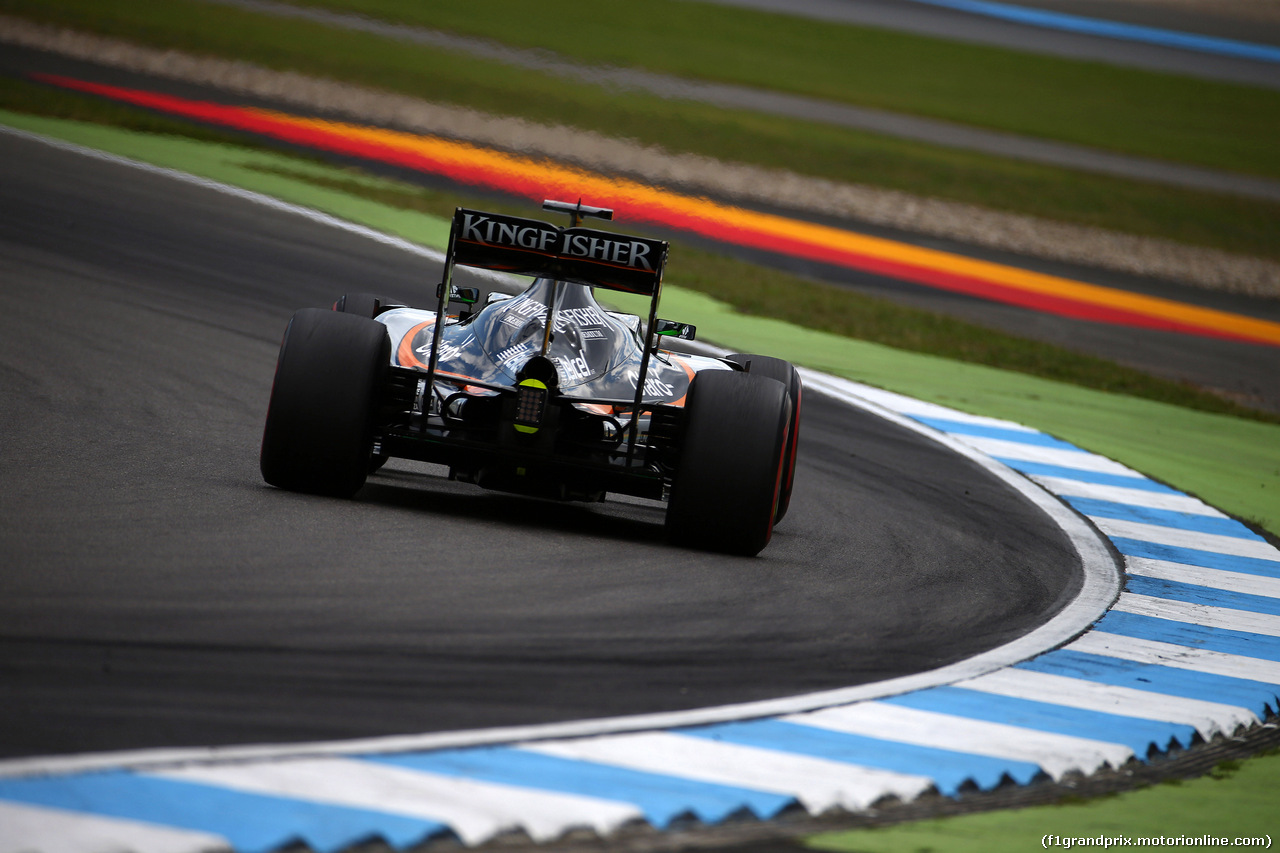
(543, 393)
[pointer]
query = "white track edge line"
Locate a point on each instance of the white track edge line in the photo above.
(1101, 587)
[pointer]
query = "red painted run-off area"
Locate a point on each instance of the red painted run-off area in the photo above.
(538, 180)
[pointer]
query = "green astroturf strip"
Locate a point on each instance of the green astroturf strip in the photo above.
(1229, 462)
(1234, 801)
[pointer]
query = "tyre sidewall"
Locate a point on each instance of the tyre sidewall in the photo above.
(319, 428)
(725, 492)
(786, 373)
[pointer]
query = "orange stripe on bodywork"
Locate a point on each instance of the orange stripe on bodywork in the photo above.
(405, 355)
(689, 370)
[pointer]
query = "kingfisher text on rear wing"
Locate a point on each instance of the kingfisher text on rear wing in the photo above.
(583, 255)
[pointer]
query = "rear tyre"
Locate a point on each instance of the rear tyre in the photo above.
(725, 493)
(319, 428)
(786, 373)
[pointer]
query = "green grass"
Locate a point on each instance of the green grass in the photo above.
(1236, 800)
(1234, 224)
(1157, 115)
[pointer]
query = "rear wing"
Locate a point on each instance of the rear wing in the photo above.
(575, 254)
(582, 255)
(512, 244)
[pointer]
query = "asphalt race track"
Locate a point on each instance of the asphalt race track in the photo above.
(155, 592)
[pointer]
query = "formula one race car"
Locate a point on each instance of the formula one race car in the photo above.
(544, 393)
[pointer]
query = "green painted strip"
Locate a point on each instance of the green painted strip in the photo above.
(1228, 462)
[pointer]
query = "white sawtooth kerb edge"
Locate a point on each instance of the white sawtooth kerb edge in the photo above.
(1100, 589)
